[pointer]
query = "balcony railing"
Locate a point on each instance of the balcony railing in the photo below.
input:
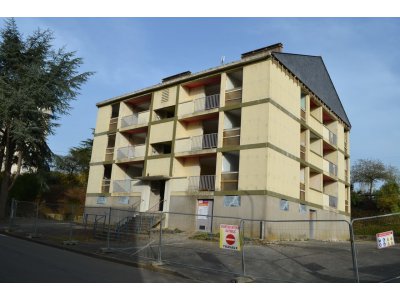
(303, 114)
(202, 183)
(122, 186)
(330, 168)
(206, 103)
(333, 201)
(231, 137)
(131, 152)
(330, 136)
(303, 152)
(135, 119)
(109, 154)
(229, 181)
(206, 141)
(233, 96)
(105, 186)
(302, 191)
(113, 124)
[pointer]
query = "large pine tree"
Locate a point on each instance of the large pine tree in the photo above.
(37, 84)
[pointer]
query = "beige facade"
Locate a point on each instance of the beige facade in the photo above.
(246, 136)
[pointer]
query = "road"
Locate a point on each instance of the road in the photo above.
(26, 262)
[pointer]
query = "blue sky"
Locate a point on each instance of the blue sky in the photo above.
(362, 57)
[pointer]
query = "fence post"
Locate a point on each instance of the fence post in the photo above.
(36, 220)
(160, 240)
(12, 214)
(108, 232)
(241, 227)
(354, 252)
(70, 223)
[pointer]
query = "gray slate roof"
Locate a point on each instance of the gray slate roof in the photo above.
(312, 72)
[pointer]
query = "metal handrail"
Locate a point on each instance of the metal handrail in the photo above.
(205, 141)
(157, 204)
(206, 103)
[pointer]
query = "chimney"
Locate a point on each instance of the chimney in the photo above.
(267, 50)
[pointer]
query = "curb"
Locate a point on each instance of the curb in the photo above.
(148, 266)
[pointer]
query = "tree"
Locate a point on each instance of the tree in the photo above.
(369, 172)
(37, 84)
(76, 162)
(389, 197)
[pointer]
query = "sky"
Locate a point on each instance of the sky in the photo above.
(361, 54)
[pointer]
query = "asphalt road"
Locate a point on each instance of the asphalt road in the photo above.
(26, 262)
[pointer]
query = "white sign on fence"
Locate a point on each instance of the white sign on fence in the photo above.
(384, 239)
(229, 237)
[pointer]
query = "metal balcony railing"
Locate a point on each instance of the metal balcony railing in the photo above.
(303, 152)
(130, 152)
(135, 119)
(330, 136)
(206, 103)
(206, 141)
(122, 186)
(202, 183)
(332, 169)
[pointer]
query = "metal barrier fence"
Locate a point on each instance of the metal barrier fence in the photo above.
(271, 250)
(377, 248)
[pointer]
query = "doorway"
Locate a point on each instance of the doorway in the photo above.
(312, 218)
(204, 212)
(157, 195)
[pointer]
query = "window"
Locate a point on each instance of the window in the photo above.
(231, 201)
(302, 208)
(123, 200)
(284, 205)
(101, 200)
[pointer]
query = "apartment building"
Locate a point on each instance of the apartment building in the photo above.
(264, 137)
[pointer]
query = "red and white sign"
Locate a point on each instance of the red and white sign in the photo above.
(229, 237)
(384, 239)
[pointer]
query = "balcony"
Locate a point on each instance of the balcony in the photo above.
(202, 183)
(229, 181)
(113, 124)
(105, 186)
(231, 137)
(109, 154)
(131, 152)
(196, 143)
(303, 114)
(206, 103)
(331, 201)
(141, 118)
(127, 186)
(329, 136)
(302, 191)
(302, 152)
(233, 96)
(330, 168)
